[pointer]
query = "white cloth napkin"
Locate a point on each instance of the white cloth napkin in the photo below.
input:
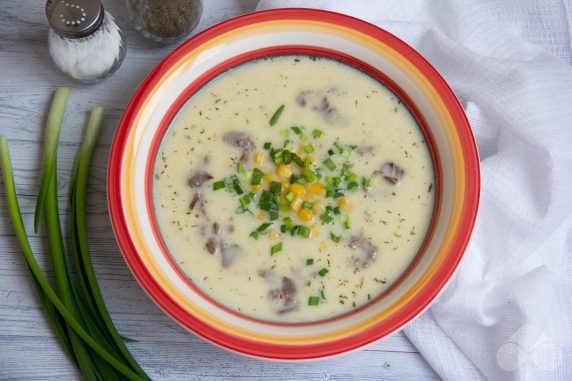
(507, 314)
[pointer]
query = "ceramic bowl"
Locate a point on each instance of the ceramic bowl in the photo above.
(283, 31)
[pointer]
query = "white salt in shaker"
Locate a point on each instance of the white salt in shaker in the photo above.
(84, 41)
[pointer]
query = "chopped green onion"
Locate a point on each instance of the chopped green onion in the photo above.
(307, 205)
(273, 215)
(236, 185)
(277, 156)
(218, 185)
(313, 300)
(257, 176)
(288, 145)
(296, 130)
(296, 159)
(288, 223)
(337, 145)
(326, 218)
(267, 145)
(366, 182)
(309, 148)
(285, 133)
(330, 164)
(335, 238)
(301, 181)
(331, 152)
(337, 211)
(309, 175)
(345, 220)
(303, 137)
(309, 262)
(275, 187)
(290, 196)
(287, 157)
(323, 271)
(317, 133)
(304, 231)
(276, 248)
(353, 186)
(261, 230)
(284, 207)
(276, 115)
(338, 194)
(268, 201)
(322, 294)
(245, 200)
(240, 167)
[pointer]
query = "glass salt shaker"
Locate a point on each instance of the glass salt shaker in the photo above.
(84, 41)
(165, 21)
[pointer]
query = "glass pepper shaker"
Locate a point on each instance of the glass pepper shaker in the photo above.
(84, 41)
(165, 20)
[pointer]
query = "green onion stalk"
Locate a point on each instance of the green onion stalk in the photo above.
(77, 314)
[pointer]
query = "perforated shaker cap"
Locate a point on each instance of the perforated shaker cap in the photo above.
(74, 18)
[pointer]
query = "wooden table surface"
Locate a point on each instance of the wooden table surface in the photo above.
(28, 349)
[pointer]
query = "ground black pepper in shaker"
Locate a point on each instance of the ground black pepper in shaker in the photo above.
(165, 20)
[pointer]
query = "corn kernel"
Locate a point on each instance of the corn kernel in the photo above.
(344, 204)
(297, 189)
(309, 197)
(318, 208)
(305, 215)
(285, 186)
(268, 178)
(296, 204)
(273, 234)
(314, 231)
(257, 157)
(256, 188)
(316, 188)
(283, 171)
(261, 215)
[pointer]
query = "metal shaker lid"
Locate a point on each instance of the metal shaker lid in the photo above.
(74, 18)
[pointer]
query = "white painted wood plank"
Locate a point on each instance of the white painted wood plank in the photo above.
(28, 349)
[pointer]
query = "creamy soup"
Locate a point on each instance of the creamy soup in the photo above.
(293, 188)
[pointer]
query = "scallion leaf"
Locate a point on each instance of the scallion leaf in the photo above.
(353, 186)
(335, 238)
(317, 133)
(326, 218)
(323, 271)
(313, 300)
(218, 185)
(297, 130)
(257, 176)
(276, 248)
(309, 262)
(304, 231)
(275, 187)
(276, 115)
(309, 148)
(267, 145)
(329, 163)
